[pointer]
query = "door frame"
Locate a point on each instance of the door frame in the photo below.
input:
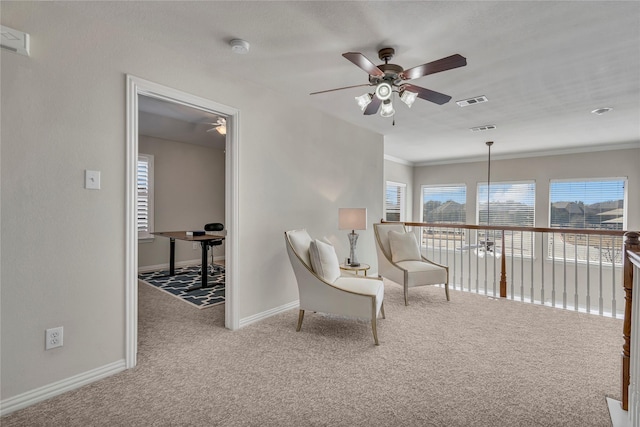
(137, 86)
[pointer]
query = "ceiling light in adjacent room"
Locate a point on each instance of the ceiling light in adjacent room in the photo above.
(383, 91)
(387, 109)
(364, 100)
(408, 97)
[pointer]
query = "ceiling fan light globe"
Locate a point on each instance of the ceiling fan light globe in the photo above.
(222, 129)
(384, 91)
(386, 110)
(408, 97)
(363, 101)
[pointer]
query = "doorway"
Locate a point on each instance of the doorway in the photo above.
(135, 88)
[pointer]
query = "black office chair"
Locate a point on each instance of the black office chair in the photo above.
(214, 226)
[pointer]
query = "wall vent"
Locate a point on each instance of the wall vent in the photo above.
(482, 128)
(14, 40)
(472, 101)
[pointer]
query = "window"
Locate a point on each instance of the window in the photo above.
(145, 196)
(509, 204)
(506, 204)
(596, 204)
(591, 204)
(444, 203)
(395, 201)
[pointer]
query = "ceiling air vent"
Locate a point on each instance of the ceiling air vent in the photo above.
(482, 128)
(472, 101)
(14, 40)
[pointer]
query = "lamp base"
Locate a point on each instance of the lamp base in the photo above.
(353, 240)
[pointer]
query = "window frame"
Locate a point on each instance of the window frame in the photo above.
(459, 186)
(145, 236)
(402, 202)
(613, 260)
(526, 248)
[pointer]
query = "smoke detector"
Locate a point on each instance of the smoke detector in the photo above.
(239, 46)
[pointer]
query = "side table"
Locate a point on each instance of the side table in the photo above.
(362, 267)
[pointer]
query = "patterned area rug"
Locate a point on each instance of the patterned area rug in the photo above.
(185, 278)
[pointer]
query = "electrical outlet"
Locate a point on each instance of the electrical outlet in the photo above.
(195, 246)
(53, 338)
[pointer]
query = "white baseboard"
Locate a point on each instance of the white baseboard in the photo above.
(260, 316)
(48, 391)
(619, 417)
(165, 266)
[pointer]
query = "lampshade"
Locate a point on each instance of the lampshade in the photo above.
(352, 218)
(386, 110)
(363, 100)
(408, 97)
(383, 91)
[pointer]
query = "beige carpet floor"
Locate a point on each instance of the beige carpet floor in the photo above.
(472, 361)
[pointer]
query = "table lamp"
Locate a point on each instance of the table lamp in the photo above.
(352, 219)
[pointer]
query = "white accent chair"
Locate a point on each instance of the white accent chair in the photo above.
(418, 271)
(350, 296)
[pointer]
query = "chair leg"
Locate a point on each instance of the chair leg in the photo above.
(406, 295)
(375, 331)
(382, 310)
(300, 317)
(446, 291)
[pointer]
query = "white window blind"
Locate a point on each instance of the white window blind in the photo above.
(444, 203)
(508, 204)
(395, 201)
(145, 196)
(589, 204)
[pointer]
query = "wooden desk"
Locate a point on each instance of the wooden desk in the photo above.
(182, 235)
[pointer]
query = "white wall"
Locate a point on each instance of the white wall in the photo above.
(63, 247)
(189, 192)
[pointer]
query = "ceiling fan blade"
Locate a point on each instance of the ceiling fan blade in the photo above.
(373, 106)
(444, 64)
(427, 94)
(340, 88)
(363, 62)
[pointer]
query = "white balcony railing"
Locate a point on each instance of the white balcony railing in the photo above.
(573, 269)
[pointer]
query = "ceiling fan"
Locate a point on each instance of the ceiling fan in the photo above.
(388, 78)
(220, 125)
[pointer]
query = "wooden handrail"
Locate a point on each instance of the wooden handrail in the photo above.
(631, 258)
(510, 228)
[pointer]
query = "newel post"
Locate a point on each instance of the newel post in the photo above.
(631, 243)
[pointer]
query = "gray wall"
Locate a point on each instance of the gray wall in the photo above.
(189, 187)
(63, 247)
(602, 164)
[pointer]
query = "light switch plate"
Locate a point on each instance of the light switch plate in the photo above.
(92, 180)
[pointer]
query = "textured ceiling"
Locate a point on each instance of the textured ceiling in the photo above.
(543, 65)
